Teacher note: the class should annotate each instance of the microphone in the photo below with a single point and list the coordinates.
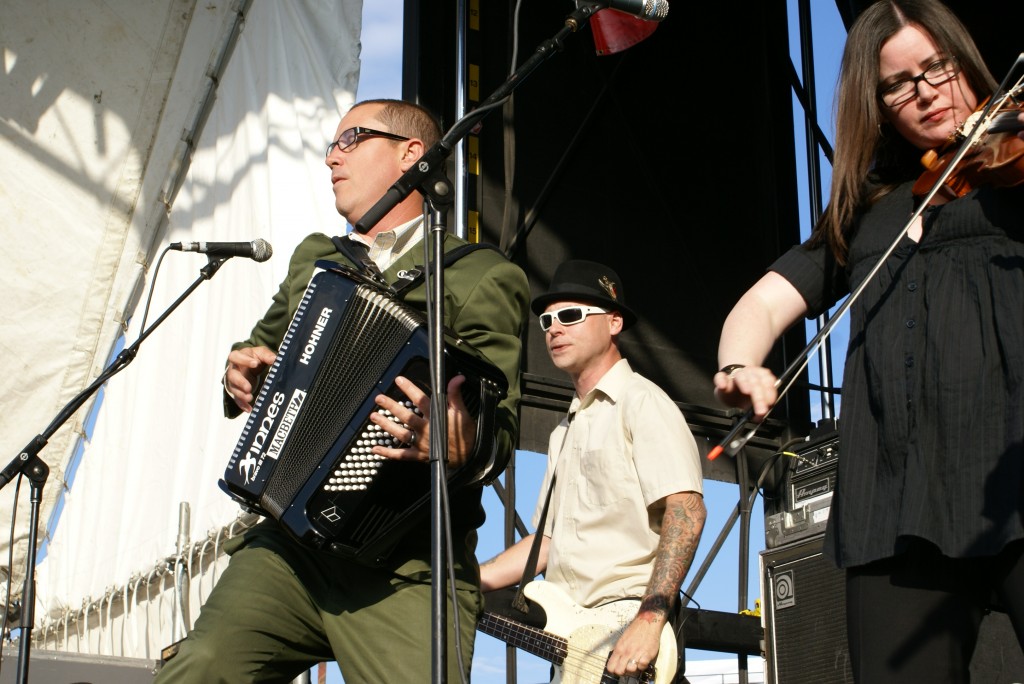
(257, 250)
(649, 10)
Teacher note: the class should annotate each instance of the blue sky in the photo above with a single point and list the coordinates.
(381, 77)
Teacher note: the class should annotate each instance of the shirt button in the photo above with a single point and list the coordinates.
(909, 362)
(912, 286)
(911, 323)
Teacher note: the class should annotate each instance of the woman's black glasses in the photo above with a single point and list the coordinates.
(938, 72)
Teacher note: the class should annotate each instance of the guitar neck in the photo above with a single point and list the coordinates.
(543, 644)
(524, 637)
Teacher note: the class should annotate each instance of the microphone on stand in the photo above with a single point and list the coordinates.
(649, 10)
(257, 250)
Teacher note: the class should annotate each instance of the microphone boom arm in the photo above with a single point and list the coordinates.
(427, 175)
(125, 357)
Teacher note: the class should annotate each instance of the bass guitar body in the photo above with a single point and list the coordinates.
(578, 640)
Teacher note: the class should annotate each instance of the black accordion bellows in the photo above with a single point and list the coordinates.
(304, 458)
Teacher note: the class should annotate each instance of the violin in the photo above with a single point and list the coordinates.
(995, 156)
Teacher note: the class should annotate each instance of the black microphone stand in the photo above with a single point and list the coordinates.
(35, 469)
(428, 177)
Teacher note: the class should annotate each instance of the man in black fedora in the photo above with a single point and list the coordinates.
(626, 510)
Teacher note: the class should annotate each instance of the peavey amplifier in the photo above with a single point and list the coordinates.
(808, 486)
(304, 454)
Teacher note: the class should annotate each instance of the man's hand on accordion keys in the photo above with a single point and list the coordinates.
(409, 423)
(242, 374)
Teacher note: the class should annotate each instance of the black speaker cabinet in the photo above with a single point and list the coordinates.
(805, 616)
(805, 624)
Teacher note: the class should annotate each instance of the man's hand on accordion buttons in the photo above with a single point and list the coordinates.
(245, 366)
(409, 423)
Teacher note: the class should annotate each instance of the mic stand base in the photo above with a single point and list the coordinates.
(36, 471)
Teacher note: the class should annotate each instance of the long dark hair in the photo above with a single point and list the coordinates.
(864, 141)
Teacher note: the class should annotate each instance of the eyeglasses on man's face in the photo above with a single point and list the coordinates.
(569, 315)
(938, 72)
(350, 137)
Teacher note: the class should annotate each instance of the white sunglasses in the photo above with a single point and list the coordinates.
(569, 315)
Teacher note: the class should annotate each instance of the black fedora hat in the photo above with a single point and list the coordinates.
(577, 280)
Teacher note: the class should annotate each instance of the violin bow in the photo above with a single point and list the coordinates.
(733, 440)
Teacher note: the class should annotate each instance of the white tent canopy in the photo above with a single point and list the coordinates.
(128, 125)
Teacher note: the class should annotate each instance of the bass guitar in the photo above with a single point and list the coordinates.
(578, 640)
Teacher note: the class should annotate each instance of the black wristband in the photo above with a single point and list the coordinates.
(731, 368)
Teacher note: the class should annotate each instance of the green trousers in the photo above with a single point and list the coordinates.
(279, 608)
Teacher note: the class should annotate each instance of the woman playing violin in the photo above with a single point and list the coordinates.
(928, 516)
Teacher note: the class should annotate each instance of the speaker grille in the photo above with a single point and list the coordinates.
(806, 617)
(805, 624)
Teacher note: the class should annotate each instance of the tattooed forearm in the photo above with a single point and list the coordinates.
(681, 528)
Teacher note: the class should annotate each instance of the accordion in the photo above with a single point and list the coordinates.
(304, 458)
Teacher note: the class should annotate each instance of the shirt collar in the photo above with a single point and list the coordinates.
(611, 385)
(388, 246)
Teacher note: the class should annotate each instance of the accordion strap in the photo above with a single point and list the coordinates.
(415, 275)
(358, 254)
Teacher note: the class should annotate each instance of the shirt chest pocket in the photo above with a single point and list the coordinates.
(608, 478)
